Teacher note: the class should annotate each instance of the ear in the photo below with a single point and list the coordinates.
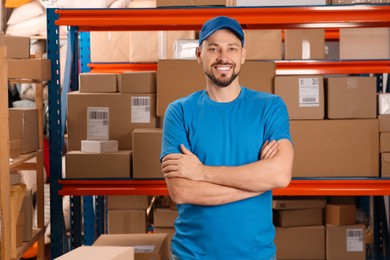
(243, 55)
(198, 52)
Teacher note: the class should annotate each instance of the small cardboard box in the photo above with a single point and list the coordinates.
(300, 242)
(385, 142)
(263, 44)
(364, 43)
(98, 82)
(179, 78)
(298, 217)
(146, 246)
(340, 214)
(103, 165)
(301, 203)
(17, 47)
(99, 146)
(351, 97)
(127, 202)
(164, 217)
(23, 125)
(385, 165)
(345, 242)
(304, 44)
(99, 252)
(128, 221)
(37, 69)
(140, 82)
(303, 95)
(335, 148)
(384, 123)
(146, 153)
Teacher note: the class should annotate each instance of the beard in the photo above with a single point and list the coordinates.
(222, 82)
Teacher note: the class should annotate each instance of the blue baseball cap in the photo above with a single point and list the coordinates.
(218, 23)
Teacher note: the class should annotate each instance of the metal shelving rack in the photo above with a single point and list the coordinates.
(84, 20)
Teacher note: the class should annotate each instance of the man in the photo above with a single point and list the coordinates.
(219, 166)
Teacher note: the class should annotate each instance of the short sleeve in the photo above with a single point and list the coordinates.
(277, 123)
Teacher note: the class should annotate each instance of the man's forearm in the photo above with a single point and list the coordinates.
(184, 191)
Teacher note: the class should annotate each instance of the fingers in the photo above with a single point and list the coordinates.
(269, 149)
(184, 150)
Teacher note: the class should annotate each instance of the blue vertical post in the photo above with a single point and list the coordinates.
(89, 220)
(75, 222)
(59, 243)
(85, 51)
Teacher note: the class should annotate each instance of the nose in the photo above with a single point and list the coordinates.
(222, 57)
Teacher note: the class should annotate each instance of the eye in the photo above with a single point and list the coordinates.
(233, 49)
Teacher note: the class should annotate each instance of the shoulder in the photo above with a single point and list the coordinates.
(189, 100)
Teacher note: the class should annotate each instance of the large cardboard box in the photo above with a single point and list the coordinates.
(146, 246)
(298, 217)
(127, 112)
(300, 242)
(103, 165)
(263, 44)
(146, 153)
(179, 78)
(384, 123)
(340, 214)
(164, 217)
(17, 47)
(37, 69)
(23, 125)
(364, 43)
(128, 221)
(127, 202)
(170, 231)
(98, 82)
(303, 95)
(385, 164)
(351, 97)
(385, 142)
(345, 242)
(304, 44)
(298, 203)
(99, 252)
(335, 148)
(139, 82)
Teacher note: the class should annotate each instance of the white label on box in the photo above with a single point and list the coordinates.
(309, 92)
(98, 123)
(140, 109)
(306, 50)
(144, 249)
(354, 240)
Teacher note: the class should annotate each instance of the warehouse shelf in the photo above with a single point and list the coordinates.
(309, 187)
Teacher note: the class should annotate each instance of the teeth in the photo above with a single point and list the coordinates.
(223, 68)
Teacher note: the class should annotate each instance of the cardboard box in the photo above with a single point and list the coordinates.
(303, 95)
(263, 44)
(301, 203)
(15, 148)
(23, 125)
(179, 78)
(96, 146)
(140, 82)
(98, 82)
(385, 164)
(364, 43)
(304, 44)
(99, 252)
(298, 217)
(351, 97)
(164, 217)
(170, 231)
(37, 69)
(127, 202)
(340, 214)
(17, 47)
(104, 165)
(345, 242)
(129, 221)
(166, 3)
(146, 154)
(146, 246)
(384, 123)
(300, 242)
(335, 148)
(384, 142)
(127, 112)
(27, 211)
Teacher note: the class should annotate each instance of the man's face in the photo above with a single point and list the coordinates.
(221, 55)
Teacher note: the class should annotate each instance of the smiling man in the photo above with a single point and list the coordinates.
(224, 149)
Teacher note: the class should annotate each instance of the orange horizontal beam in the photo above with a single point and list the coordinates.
(309, 187)
(192, 18)
(121, 67)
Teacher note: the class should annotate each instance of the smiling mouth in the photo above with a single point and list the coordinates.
(223, 68)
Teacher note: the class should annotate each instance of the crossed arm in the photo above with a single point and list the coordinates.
(190, 181)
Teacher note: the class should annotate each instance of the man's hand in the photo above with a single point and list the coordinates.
(185, 165)
(268, 150)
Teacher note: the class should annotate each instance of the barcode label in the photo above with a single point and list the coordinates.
(98, 123)
(140, 109)
(355, 240)
(98, 115)
(309, 92)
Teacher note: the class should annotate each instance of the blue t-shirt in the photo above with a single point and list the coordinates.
(229, 134)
